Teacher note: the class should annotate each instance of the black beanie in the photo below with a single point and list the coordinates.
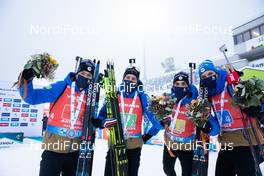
(86, 65)
(181, 76)
(132, 70)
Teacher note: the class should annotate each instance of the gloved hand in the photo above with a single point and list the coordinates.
(165, 121)
(240, 73)
(97, 123)
(207, 128)
(146, 137)
(252, 111)
(28, 74)
(109, 122)
(233, 77)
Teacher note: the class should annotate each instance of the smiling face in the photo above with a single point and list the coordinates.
(208, 73)
(131, 77)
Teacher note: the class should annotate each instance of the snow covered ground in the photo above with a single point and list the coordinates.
(24, 160)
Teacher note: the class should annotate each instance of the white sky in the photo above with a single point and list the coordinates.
(118, 29)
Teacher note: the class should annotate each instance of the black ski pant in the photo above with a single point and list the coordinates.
(237, 161)
(133, 156)
(54, 164)
(186, 160)
(259, 156)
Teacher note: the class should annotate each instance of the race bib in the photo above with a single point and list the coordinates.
(227, 119)
(130, 121)
(180, 126)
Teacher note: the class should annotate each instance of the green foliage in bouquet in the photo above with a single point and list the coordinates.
(43, 65)
(162, 106)
(248, 93)
(198, 112)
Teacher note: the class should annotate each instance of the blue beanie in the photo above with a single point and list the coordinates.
(205, 66)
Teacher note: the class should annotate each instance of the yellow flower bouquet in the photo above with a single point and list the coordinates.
(199, 111)
(161, 106)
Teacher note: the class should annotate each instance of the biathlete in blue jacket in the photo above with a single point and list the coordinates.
(64, 127)
(133, 105)
(235, 157)
(180, 132)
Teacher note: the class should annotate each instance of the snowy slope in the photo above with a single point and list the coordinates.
(24, 160)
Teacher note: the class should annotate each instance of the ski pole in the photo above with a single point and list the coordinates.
(78, 61)
(192, 67)
(233, 77)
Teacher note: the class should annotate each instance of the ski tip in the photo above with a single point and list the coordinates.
(105, 73)
(100, 77)
(108, 65)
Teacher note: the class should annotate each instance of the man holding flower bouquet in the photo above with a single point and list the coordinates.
(64, 128)
(235, 156)
(180, 132)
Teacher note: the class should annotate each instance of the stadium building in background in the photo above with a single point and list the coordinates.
(249, 42)
(248, 46)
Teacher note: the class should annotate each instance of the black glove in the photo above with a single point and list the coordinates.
(207, 128)
(252, 111)
(240, 73)
(146, 137)
(97, 123)
(28, 74)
